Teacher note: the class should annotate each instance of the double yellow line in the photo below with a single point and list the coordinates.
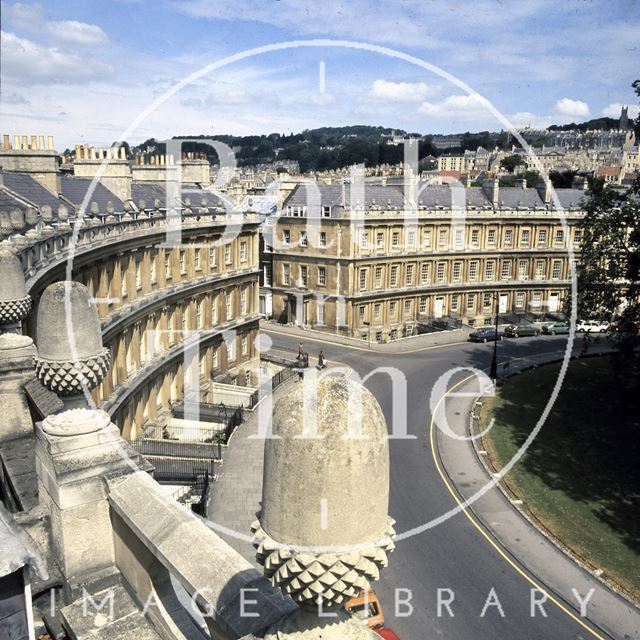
(481, 529)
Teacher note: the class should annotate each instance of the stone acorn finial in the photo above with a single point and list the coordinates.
(15, 302)
(70, 357)
(324, 531)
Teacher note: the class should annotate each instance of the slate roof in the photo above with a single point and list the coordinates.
(517, 197)
(30, 189)
(149, 192)
(74, 190)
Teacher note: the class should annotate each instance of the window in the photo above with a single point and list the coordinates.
(376, 311)
(247, 378)
(183, 263)
(212, 258)
(227, 254)
(364, 240)
(539, 269)
(167, 265)
(475, 236)
(523, 270)
(524, 238)
(138, 276)
(457, 271)
(423, 304)
(363, 279)
(440, 275)
(487, 298)
(231, 349)
(323, 239)
(243, 301)
(577, 236)
(286, 274)
(304, 275)
(455, 303)
(380, 240)
(320, 312)
(154, 271)
(245, 347)
(395, 239)
(378, 277)
(557, 268)
(471, 301)
(267, 275)
(520, 300)
(559, 236)
(426, 237)
(458, 237)
(393, 279)
(196, 259)
(286, 236)
(322, 276)
(407, 306)
(214, 310)
(123, 282)
(411, 239)
(491, 236)
(489, 270)
(326, 211)
(361, 310)
(473, 270)
(243, 252)
(199, 314)
(508, 237)
(303, 238)
(214, 360)
(536, 300)
(425, 273)
(392, 309)
(505, 274)
(442, 237)
(183, 314)
(409, 279)
(542, 236)
(228, 306)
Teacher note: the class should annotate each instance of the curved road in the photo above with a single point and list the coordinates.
(453, 555)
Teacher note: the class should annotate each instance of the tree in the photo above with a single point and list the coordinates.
(511, 162)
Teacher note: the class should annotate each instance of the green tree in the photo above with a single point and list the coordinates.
(511, 162)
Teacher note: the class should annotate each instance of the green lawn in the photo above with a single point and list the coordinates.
(581, 476)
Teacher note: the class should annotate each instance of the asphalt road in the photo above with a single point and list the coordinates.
(452, 555)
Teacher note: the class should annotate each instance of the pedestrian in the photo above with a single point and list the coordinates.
(300, 351)
(321, 360)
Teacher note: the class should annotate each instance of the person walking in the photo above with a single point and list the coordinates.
(322, 361)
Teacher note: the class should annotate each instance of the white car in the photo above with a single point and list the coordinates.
(592, 326)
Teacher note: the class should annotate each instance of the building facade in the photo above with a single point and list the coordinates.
(381, 270)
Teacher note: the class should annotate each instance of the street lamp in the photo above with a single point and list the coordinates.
(368, 325)
(493, 373)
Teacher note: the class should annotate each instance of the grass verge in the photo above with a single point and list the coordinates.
(580, 478)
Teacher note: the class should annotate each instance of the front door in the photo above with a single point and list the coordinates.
(502, 305)
(554, 302)
(438, 308)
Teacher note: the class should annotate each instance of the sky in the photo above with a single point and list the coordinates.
(90, 71)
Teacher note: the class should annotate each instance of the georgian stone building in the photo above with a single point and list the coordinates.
(380, 269)
(153, 291)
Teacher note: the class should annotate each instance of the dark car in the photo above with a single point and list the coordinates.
(486, 335)
(517, 330)
(555, 328)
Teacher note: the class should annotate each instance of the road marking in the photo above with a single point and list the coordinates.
(482, 530)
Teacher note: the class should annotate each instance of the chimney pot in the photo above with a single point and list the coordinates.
(41, 143)
(34, 142)
(5, 142)
(50, 143)
(25, 142)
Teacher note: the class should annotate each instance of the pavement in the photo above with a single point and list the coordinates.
(489, 546)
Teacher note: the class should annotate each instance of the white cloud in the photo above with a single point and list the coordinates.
(461, 107)
(574, 108)
(76, 32)
(30, 62)
(399, 91)
(323, 99)
(25, 16)
(613, 110)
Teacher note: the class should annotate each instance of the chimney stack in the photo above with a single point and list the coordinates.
(492, 190)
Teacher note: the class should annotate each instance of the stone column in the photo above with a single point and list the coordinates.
(15, 303)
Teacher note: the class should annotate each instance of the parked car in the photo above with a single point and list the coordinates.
(517, 330)
(592, 326)
(488, 334)
(387, 634)
(625, 327)
(366, 607)
(555, 328)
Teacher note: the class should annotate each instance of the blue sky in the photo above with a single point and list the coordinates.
(82, 70)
